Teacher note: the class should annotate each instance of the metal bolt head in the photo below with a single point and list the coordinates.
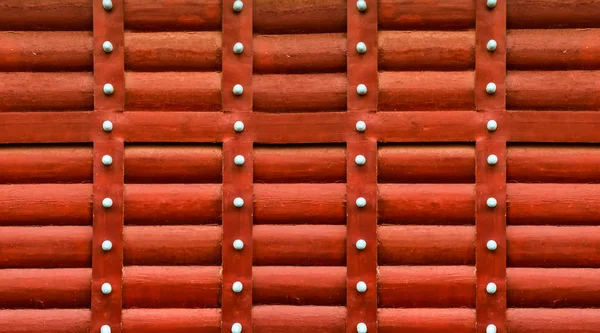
(237, 287)
(492, 202)
(239, 160)
(106, 288)
(361, 328)
(491, 45)
(361, 126)
(107, 47)
(107, 202)
(238, 6)
(361, 47)
(107, 160)
(361, 5)
(238, 48)
(491, 245)
(108, 89)
(360, 160)
(238, 89)
(492, 125)
(490, 328)
(491, 3)
(490, 88)
(491, 288)
(105, 329)
(238, 126)
(492, 159)
(107, 126)
(238, 202)
(361, 89)
(106, 245)
(107, 5)
(361, 202)
(361, 244)
(238, 244)
(361, 287)
(237, 327)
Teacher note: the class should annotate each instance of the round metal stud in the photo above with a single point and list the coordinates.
(491, 3)
(361, 126)
(491, 288)
(492, 202)
(490, 328)
(238, 202)
(107, 47)
(238, 244)
(492, 125)
(107, 160)
(361, 89)
(237, 287)
(490, 88)
(106, 245)
(361, 202)
(106, 288)
(361, 47)
(361, 244)
(238, 48)
(238, 6)
(107, 126)
(237, 327)
(107, 202)
(361, 287)
(361, 328)
(492, 159)
(361, 5)
(491, 45)
(239, 160)
(107, 5)
(491, 245)
(105, 329)
(108, 89)
(238, 89)
(360, 160)
(238, 126)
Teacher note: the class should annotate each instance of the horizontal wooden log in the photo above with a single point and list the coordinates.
(413, 286)
(553, 320)
(299, 204)
(173, 164)
(292, 285)
(45, 321)
(542, 14)
(426, 91)
(298, 16)
(23, 91)
(46, 15)
(171, 320)
(46, 204)
(45, 288)
(426, 15)
(301, 245)
(298, 319)
(558, 204)
(553, 126)
(426, 164)
(444, 126)
(299, 164)
(171, 287)
(447, 204)
(426, 320)
(173, 91)
(556, 90)
(300, 53)
(172, 15)
(45, 127)
(556, 49)
(426, 50)
(150, 204)
(299, 92)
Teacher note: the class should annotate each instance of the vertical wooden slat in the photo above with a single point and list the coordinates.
(361, 179)
(490, 66)
(237, 179)
(107, 266)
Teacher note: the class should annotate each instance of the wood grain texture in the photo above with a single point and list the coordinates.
(46, 15)
(426, 320)
(45, 127)
(299, 16)
(553, 320)
(45, 321)
(172, 15)
(171, 320)
(426, 15)
(298, 319)
(540, 14)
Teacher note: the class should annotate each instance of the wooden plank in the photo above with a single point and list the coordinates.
(298, 319)
(45, 321)
(426, 320)
(426, 15)
(542, 14)
(299, 16)
(171, 320)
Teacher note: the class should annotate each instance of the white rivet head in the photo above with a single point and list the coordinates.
(492, 159)
(492, 202)
(361, 47)
(239, 160)
(491, 288)
(361, 287)
(107, 160)
(105, 329)
(237, 327)
(238, 89)
(491, 3)
(107, 125)
(361, 244)
(238, 6)
(491, 245)
(360, 160)
(106, 245)
(361, 126)
(361, 202)
(108, 89)
(238, 48)
(361, 328)
(361, 89)
(361, 5)
(492, 125)
(491, 45)
(490, 88)
(107, 47)
(107, 202)
(238, 202)
(106, 288)
(107, 5)
(238, 126)
(237, 287)
(238, 244)
(490, 328)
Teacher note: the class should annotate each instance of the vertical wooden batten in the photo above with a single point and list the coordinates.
(107, 263)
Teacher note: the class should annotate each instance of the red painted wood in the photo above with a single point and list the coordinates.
(426, 15)
(298, 319)
(46, 15)
(289, 17)
(426, 320)
(173, 15)
(45, 321)
(542, 14)
(553, 320)
(171, 320)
